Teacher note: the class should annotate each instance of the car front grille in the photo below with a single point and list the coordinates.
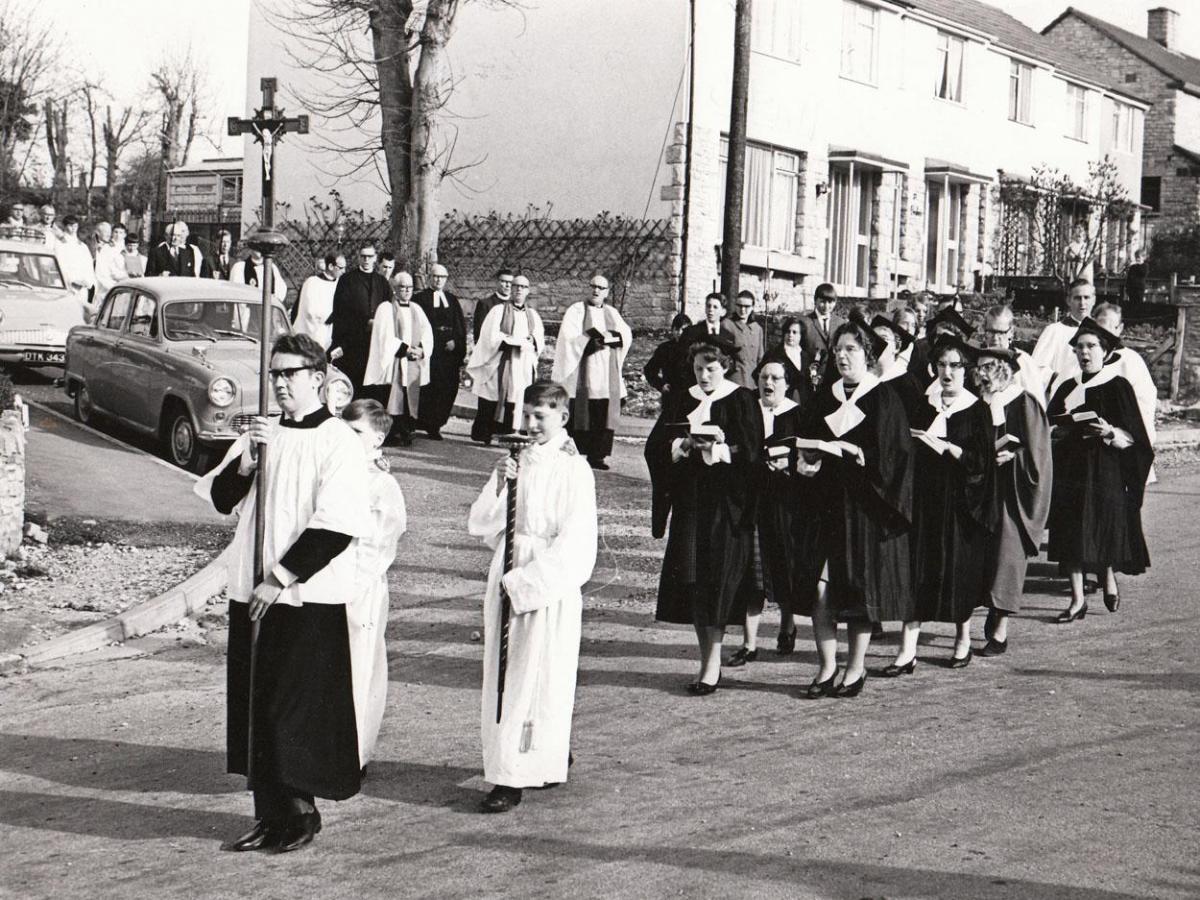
(50, 337)
(242, 421)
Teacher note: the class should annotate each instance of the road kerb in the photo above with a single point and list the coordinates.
(178, 602)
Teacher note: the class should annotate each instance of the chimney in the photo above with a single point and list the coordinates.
(1161, 24)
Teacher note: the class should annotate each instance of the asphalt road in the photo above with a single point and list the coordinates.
(1065, 769)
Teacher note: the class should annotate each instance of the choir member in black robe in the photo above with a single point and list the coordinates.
(445, 314)
(947, 320)
(291, 722)
(797, 366)
(1100, 470)
(702, 455)
(355, 300)
(863, 483)
(788, 537)
(891, 367)
(1022, 485)
(953, 514)
(669, 368)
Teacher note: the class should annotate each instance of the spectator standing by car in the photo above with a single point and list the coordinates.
(76, 261)
(15, 218)
(223, 261)
(110, 262)
(249, 271)
(178, 257)
(132, 257)
(54, 235)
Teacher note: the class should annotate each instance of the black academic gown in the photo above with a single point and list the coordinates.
(710, 547)
(448, 323)
(911, 392)
(1096, 510)
(918, 362)
(355, 299)
(668, 369)
(799, 384)
(482, 308)
(305, 731)
(789, 538)
(866, 510)
(954, 516)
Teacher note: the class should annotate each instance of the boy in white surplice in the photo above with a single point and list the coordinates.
(554, 552)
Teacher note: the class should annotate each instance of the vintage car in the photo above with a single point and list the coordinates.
(176, 358)
(37, 308)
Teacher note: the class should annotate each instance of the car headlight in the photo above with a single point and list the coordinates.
(222, 392)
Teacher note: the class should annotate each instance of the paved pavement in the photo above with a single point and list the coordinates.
(1065, 769)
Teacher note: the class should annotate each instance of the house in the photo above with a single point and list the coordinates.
(1153, 66)
(880, 132)
(207, 195)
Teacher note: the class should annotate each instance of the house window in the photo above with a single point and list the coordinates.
(944, 203)
(1152, 192)
(769, 199)
(1020, 82)
(1077, 112)
(776, 28)
(860, 40)
(851, 211)
(1121, 125)
(231, 190)
(948, 72)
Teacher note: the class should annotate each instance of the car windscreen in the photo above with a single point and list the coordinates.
(33, 270)
(217, 320)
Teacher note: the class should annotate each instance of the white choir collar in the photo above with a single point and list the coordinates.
(937, 428)
(780, 408)
(554, 445)
(1107, 373)
(702, 413)
(868, 383)
(1001, 400)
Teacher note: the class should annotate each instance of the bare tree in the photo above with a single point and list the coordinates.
(118, 134)
(58, 144)
(28, 53)
(179, 85)
(384, 72)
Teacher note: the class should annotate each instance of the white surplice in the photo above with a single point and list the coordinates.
(484, 364)
(573, 339)
(367, 612)
(395, 325)
(314, 308)
(1053, 354)
(554, 553)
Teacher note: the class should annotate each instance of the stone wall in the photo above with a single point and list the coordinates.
(1189, 377)
(12, 481)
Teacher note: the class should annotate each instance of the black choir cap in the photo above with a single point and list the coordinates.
(952, 317)
(944, 341)
(1108, 340)
(903, 338)
(720, 342)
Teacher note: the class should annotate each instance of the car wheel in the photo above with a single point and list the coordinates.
(84, 411)
(182, 444)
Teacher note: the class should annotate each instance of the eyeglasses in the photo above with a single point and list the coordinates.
(599, 287)
(288, 374)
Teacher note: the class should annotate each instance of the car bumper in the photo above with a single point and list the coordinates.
(33, 356)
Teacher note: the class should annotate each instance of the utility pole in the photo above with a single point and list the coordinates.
(735, 170)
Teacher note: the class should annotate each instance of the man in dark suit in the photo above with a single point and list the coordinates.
(817, 329)
(449, 350)
(355, 299)
(223, 260)
(177, 257)
(504, 283)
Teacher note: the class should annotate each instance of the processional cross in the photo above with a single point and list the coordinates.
(268, 126)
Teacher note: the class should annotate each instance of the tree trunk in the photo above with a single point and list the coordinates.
(390, 43)
(56, 144)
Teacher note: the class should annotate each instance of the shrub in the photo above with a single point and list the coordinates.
(7, 393)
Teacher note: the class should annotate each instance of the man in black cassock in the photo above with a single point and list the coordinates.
(449, 350)
(175, 256)
(498, 297)
(355, 299)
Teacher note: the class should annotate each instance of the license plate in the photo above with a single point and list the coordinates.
(44, 356)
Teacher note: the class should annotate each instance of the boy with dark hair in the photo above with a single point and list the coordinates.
(526, 712)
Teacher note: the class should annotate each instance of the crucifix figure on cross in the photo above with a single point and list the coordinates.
(267, 126)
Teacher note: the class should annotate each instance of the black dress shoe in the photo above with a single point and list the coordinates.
(895, 671)
(851, 690)
(1112, 602)
(960, 662)
(702, 688)
(818, 689)
(742, 657)
(501, 799)
(434, 434)
(1066, 617)
(261, 837)
(298, 832)
(598, 464)
(994, 648)
(785, 644)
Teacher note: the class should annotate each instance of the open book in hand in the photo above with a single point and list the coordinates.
(1074, 419)
(936, 444)
(829, 448)
(704, 432)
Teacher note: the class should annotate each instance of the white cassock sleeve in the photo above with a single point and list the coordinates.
(389, 521)
(568, 352)
(1137, 373)
(385, 343)
(563, 567)
(485, 355)
(488, 513)
(203, 487)
(1046, 352)
(343, 492)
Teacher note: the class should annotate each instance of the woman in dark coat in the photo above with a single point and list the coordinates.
(669, 369)
(953, 513)
(1100, 470)
(865, 490)
(702, 455)
(790, 354)
(1022, 486)
(893, 369)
